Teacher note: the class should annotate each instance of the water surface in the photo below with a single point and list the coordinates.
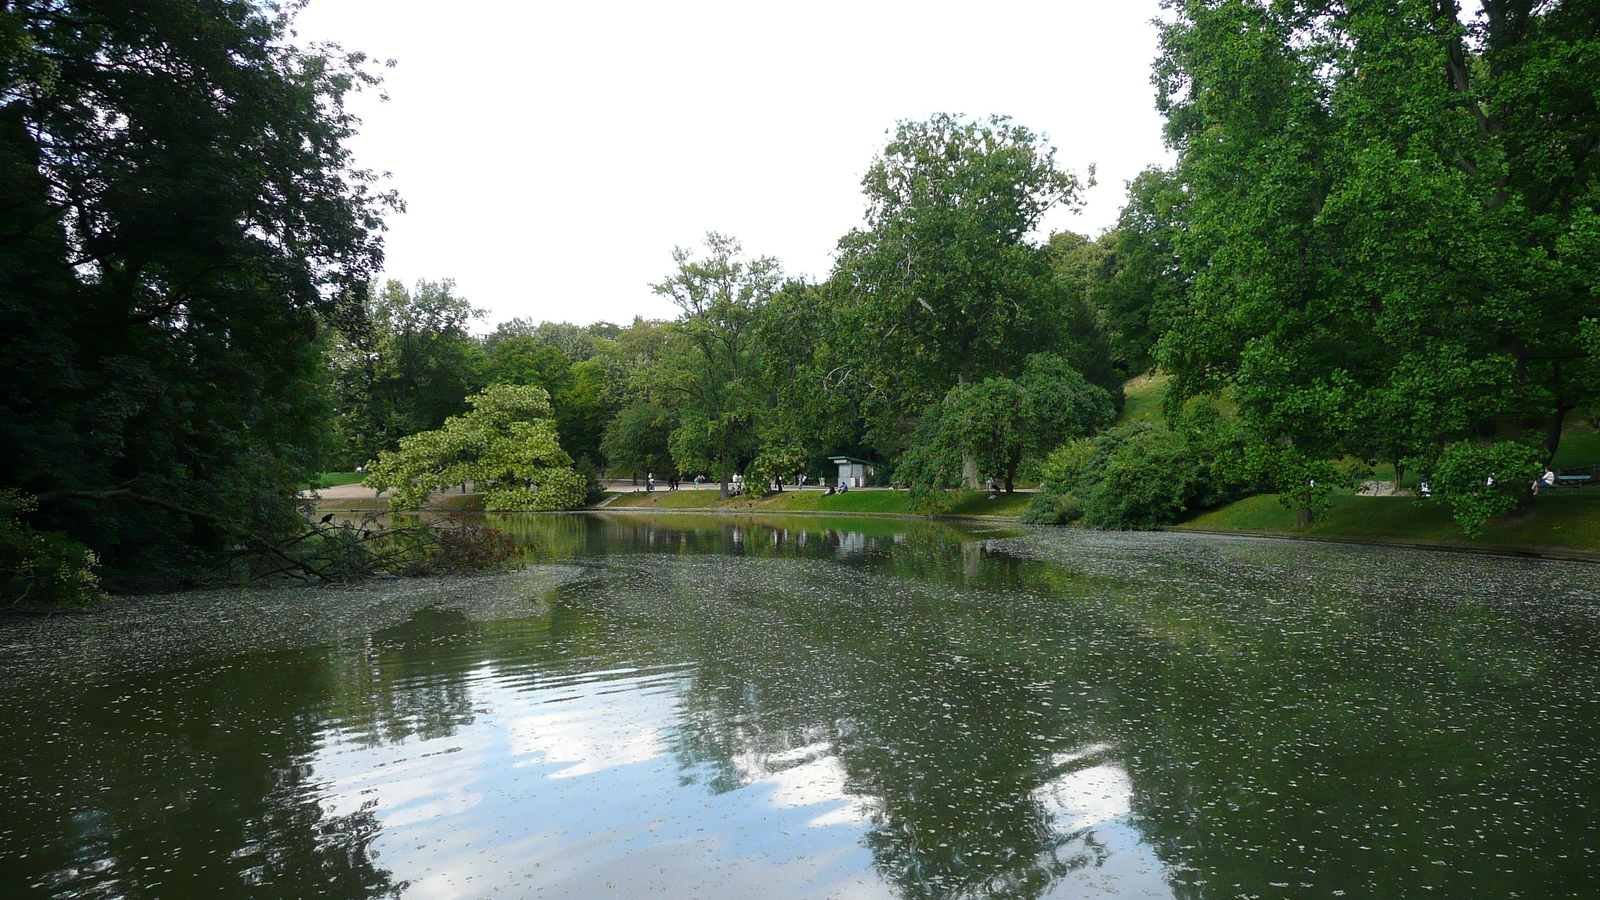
(695, 706)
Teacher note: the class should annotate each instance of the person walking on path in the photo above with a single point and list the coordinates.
(649, 482)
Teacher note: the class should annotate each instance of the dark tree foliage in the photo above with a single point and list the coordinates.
(178, 215)
(1139, 287)
(402, 366)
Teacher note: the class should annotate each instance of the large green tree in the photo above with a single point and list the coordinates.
(943, 286)
(178, 216)
(575, 384)
(999, 423)
(1391, 219)
(709, 374)
(635, 436)
(1138, 285)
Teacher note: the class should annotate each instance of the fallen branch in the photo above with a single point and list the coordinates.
(248, 537)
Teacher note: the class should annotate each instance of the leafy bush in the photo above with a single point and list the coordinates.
(1143, 475)
(42, 568)
(930, 466)
(1001, 425)
(780, 461)
(1484, 481)
(1053, 509)
(594, 490)
(1302, 483)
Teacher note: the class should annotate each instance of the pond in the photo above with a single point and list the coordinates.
(793, 707)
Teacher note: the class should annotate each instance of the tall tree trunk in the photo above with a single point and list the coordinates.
(1553, 424)
(969, 463)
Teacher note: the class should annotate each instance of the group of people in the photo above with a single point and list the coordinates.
(672, 482)
(735, 484)
(1547, 480)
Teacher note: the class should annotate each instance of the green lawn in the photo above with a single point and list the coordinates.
(1143, 394)
(334, 479)
(1580, 444)
(978, 503)
(664, 499)
(970, 503)
(885, 502)
(1567, 518)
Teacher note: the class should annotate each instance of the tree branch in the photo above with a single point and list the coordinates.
(223, 524)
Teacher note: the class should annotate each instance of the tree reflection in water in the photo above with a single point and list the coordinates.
(182, 784)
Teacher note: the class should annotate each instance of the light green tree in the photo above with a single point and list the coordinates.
(506, 445)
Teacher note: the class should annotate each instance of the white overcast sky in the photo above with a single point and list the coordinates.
(551, 155)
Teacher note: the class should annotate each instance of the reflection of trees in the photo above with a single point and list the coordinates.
(405, 681)
(916, 546)
(224, 804)
(940, 731)
(1268, 741)
(1346, 738)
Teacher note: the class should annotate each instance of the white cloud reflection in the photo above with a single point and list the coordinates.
(579, 790)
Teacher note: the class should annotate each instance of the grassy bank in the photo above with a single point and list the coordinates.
(1567, 519)
(968, 503)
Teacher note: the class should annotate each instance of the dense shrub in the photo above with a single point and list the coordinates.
(1143, 475)
(594, 490)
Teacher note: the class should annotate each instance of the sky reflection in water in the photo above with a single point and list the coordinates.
(687, 707)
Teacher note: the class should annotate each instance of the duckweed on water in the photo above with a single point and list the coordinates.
(710, 707)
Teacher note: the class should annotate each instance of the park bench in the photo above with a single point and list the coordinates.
(1573, 481)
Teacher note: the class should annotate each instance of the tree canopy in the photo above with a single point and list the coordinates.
(1389, 220)
(943, 285)
(709, 373)
(999, 423)
(403, 364)
(180, 216)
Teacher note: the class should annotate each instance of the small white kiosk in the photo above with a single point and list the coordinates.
(853, 472)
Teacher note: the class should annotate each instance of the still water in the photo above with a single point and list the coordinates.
(699, 707)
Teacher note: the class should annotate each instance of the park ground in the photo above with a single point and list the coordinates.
(340, 493)
(1563, 522)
